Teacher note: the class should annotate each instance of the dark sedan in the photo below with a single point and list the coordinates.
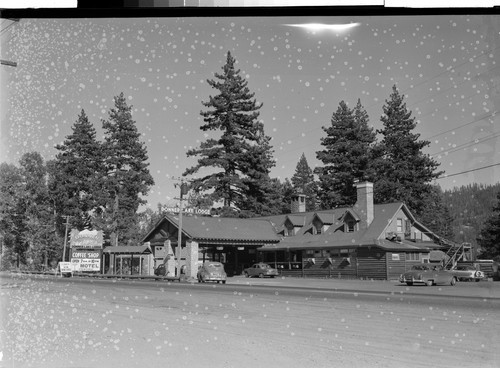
(212, 271)
(260, 270)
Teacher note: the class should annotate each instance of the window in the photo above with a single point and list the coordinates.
(350, 226)
(399, 225)
(413, 256)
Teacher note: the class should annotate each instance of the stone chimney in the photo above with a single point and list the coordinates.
(298, 203)
(364, 203)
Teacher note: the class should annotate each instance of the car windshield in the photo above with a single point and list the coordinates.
(214, 265)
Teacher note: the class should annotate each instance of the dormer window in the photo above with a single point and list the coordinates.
(350, 222)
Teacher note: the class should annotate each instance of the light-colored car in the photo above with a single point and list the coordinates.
(429, 275)
(260, 270)
(467, 273)
(212, 271)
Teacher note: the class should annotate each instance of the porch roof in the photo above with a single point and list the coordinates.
(128, 249)
(344, 240)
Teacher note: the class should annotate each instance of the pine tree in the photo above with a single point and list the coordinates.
(128, 176)
(489, 238)
(10, 224)
(35, 210)
(404, 172)
(242, 155)
(346, 156)
(303, 181)
(77, 177)
(436, 215)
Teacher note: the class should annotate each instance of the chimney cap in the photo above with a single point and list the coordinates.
(363, 183)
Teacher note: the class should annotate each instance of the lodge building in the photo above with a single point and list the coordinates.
(363, 241)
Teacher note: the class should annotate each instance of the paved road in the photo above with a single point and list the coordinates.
(60, 323)
(483, 289)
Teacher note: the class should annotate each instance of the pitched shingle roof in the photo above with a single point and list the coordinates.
(373, 235)
(217, 228)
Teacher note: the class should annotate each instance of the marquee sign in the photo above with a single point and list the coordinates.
(86, 250)
(91, 239)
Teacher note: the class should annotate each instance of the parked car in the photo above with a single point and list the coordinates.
(212, 271)
(429, 275)
(260, 270)
(467, 273)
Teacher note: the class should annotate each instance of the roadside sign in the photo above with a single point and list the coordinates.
(65, 267)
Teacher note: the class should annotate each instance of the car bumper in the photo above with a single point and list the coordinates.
(412, 280)
(214, 278)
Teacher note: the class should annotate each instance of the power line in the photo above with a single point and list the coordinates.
(467, 171)
(448, 70)
(467, 144)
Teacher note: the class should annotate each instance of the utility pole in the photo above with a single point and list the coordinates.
(65, 238)
(184, 190)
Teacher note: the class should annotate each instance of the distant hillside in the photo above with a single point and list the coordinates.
(470, 206)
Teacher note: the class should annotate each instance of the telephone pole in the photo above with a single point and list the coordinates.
(184, 190)
(65, 238)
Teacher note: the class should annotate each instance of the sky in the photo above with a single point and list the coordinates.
(299, 67)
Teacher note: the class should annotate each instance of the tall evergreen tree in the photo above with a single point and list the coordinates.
(10, 223)
(36, 212)
(77, 177)
(404, 172)
(436, 215)
(128, 176)
(303, 181)
(242, 155)
(489, 238)
(346, 156)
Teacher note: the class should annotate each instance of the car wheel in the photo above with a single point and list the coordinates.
(199, 280)
(218, 282)
(477, 280)
(453, 281)
(261, 275)
(272, 276)
(224, 282)
(246, 274)
(409, 283)
(429, 283)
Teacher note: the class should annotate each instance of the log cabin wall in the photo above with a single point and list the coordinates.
(372, 263)
(396, 264)
(327, 264)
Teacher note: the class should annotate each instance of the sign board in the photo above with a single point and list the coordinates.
(86, 250)
(395, 257)
(65, 267)
(188, 210)
(86, 265)
(91, 239)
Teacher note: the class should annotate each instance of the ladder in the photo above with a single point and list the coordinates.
(456, 253)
